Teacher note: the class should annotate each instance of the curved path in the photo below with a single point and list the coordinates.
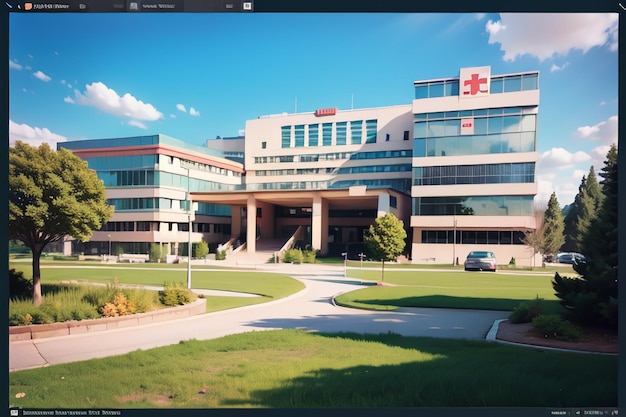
(311, 309)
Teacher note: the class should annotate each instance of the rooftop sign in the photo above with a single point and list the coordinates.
(474, 82)
(326, 112)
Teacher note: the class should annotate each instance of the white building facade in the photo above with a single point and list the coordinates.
(474, 156)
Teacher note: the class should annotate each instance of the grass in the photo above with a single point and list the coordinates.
(466, 290)
(295, 369)
(270, 286)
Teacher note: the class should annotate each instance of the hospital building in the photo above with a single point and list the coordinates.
(456, 165)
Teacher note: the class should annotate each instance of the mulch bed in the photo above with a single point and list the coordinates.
(596, 340)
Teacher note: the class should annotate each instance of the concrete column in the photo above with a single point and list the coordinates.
(251, 225)
(319, 225)
(235, 221)
(383, 205)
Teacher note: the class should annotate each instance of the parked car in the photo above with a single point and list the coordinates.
(481, 261)
(570, 258)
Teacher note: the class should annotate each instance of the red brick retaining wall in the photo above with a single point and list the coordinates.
(39, 331)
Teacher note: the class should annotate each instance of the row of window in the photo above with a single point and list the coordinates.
(155, 227)
(475, 144)
(334, 156)
(198, 166)
(473, 237)
(497, 85)
(400, 184)
(375, 168)
(473, 206)
(523, 172)
(480, 126)
(150, 177)
(301, 171)
(497, 111)
(332, 134)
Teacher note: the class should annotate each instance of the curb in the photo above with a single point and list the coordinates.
(493, 333)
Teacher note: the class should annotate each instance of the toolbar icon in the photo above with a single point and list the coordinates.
(247, 5)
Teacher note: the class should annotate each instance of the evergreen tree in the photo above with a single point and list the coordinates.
(570, 220)
(592, 298)
(553, 227)
(580, 213)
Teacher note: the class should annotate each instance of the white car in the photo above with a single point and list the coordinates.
(481, 261)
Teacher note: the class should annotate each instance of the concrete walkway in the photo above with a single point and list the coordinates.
(311, 309)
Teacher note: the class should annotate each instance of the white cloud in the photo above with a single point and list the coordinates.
(173, 116)
(578, 174)
(555, 67)
(43, 77)
(34, 136)
(181, 107)
(193, 112)
(545, 35)
(604, 132)
(14, 65)
(137, 124)
(68, 99)
(100, 96)
(561, 158)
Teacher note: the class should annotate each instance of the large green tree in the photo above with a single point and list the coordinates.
(582, 211)
(385, 239)
(553, 227)
(592, 298)
(52, 194)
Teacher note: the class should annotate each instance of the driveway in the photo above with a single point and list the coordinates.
(311, 309)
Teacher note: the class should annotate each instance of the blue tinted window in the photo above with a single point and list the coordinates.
(341, 133)
(436, 90)
(513, 83)
(313, 135)
(454, 90)
(286, 136)
(327, 134)
(299, 134)
(371, 126)
(421, 91)
(420, 130)
(530, 82)
(496, 85)
(356, 132)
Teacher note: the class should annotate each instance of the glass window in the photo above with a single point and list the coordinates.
(480, 126)
(313, 135)
(356, 132)
(341, 129)
(299, 134)
(327, 134)
(453, 127)
(513, 83)
(436, 90)
(511, 123)
(454, 88)
(528, 122)
(420, 116)
(419, 147)
(494, 125)
(437, 115)
(436, 128)
(421, 91)
(286, 136)
(372, 127)
(530, 82)
(496, 85)
(512, 110)
(480, 112)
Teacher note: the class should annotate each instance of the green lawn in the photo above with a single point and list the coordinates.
(270, 286)
(468, 290)
(295, 369)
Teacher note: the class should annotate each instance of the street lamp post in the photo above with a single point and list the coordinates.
(362, 255)
(345, 263)
(454, 245)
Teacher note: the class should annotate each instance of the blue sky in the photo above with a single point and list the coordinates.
(198, 76)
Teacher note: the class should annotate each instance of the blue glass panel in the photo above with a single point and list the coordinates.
(530, 82)
(496, 85)
(436, 90)
(455, 88)
(513, 83)
(419, 147)
(419, 130)
(421, 91)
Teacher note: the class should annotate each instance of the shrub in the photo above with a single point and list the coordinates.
(308, 256)
(19, 287)
(155, 252)
(553, 326)
(175, 295)
(526, 311)
(293, 256)
(120, 306)
(512, 261)
(220, 255)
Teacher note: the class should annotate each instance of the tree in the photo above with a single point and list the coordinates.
(200, 249)
(155, 252)
(385, 239)
(553, 227)
(592, 298)
(582, 211)
(52, 194)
